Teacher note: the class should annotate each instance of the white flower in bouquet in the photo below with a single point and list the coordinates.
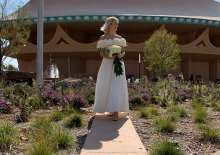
(114, 49)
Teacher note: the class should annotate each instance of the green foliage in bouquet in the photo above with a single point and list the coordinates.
(104, 52)
(117, 61)
(118, 66)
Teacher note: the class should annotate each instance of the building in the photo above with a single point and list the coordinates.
(72, 28)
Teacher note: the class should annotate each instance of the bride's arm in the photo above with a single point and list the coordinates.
(104, 53)
(122, 54)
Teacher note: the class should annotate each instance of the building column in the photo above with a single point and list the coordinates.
(189, 67)
(213, 70)
(40, 42)
(218, 69)
(69, 68)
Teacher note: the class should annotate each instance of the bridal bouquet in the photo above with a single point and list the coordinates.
(109, 52)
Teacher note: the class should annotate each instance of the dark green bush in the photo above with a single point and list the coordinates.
(200, 115)
(148, 112)
(210, 134)
(8, 136)
(135, 102)
(164, 124)
(73, 121)
(63, 138)
(57, 116)
(165, 147)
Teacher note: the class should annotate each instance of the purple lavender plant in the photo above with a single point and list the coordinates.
(50, 95)
(184, 94)
(5, 107)
(75, 101)
(146, 97)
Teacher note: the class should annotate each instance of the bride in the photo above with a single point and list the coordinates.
(111, 92)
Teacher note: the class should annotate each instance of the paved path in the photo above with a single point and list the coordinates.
(108, 137)
(217, 153)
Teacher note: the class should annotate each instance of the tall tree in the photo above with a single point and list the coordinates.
(161, 53)
(14, 32)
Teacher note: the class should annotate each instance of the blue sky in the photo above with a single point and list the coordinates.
(11, 7)
(14, 4)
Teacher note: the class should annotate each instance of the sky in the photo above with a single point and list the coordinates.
(12, 6)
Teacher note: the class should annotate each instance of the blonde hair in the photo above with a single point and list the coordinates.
(108, 20)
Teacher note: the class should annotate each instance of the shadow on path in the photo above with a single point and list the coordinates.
(103, 129)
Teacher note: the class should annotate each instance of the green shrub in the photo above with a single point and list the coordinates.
(216, 106)
(73, 121)
(197, 102)
(70, 111)
(91, 98)
(200, 115)
(24, 113)
(165, 147)
(182, 112)
(42, 146)
(8, 136)
(63, 139)
(43, 131)
(148, 112)
(179, 111)
(56, 116)
(20, 92)
(35, 101)
(210, 134)
(43, 125)
(173, 117)
(135, 102)
(164, 124)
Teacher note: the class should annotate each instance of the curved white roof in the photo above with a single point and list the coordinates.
(208, 9)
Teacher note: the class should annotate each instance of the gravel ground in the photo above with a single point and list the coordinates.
(186, 134)
(24, 132)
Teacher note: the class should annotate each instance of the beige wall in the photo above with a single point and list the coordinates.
(92, 66)
(199, 55)
(218, 70)
(201, 68)
(207, 67)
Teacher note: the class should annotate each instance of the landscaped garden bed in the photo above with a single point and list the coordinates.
(54, 120)
(173, 116)
(178, 117)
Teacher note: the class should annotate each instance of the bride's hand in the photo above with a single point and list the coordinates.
(114, 56)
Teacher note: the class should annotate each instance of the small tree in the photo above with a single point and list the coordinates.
(14, 32)
(9, 67)
(161, 53)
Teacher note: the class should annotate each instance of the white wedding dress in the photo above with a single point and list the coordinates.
(111, 92)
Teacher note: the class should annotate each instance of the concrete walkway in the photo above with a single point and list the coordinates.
(108, 137)
(217, 153)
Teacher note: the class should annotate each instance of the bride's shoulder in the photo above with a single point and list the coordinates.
(102, 37)
(106, 40)
(119, 37)
(105, 37)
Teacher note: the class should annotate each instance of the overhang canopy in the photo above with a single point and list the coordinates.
(207, 9)
(202, 12)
